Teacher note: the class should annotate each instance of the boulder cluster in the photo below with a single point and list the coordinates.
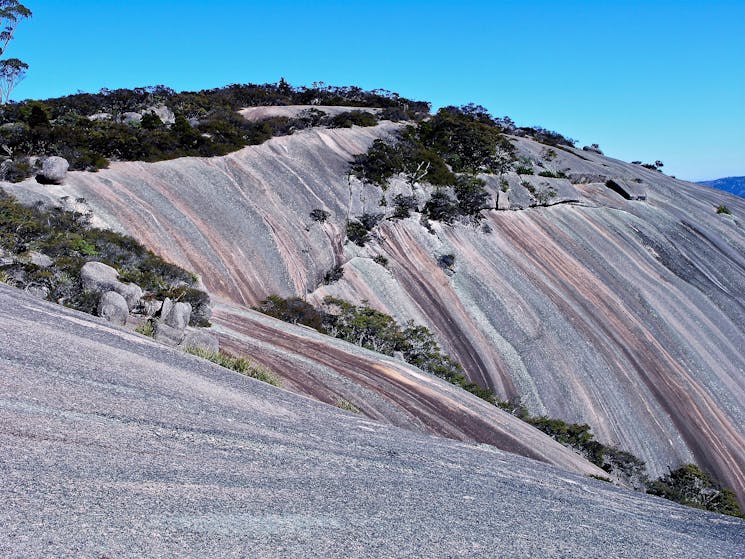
(120, 303)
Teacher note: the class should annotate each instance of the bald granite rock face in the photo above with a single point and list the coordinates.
(112, 445)
(624, 314)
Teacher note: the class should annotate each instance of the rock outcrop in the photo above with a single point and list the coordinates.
(53, 170)
(99, 278)
(626, 315)
(113, 307)
(161, 454)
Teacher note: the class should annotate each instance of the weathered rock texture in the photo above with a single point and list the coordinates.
(627, 315)
(99, 277)
(53, 170)
(162, 454)
(113, 307)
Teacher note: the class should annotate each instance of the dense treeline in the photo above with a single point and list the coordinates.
(156, 123)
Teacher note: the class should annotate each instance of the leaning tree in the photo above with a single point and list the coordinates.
(12, 70)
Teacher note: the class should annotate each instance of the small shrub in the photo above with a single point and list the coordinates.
(549, 154)
(346, 405)
(691, 486)
(357, 233)
(319, 215)
(446, 261)
(237, 364)
(293, 310)
(441, 207)
(146, 329)
(333, 275)
(471, 195)
(403, 206)
(381, 260)
(722, 209)
(353, 118)
(553, 174)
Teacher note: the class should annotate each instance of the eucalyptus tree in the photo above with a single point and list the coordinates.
(12, 70)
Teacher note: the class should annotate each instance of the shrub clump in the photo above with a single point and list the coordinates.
(69, 241)
(90, 129)
(238, 364)
(691, 486)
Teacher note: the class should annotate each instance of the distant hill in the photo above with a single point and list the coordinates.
(735, 185)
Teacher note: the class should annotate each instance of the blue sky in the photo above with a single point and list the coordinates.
(646, 80)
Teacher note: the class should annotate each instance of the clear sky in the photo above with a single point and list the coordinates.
(646, 80)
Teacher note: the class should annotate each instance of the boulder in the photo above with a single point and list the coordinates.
(39, 259)
(176, 315)
(131, 118)
(503, 201)
(131, 292)
(53, 170)
(38, 291)
(164, 113)
(98, 277)
(113, 307)
(199, 338)
(100, 116)
(167, 334)
(150, 307)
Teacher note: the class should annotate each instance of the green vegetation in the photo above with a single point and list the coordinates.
(333, 275)
(70, 242)
(377, 331)
(319, 215)
(553, 174)
(12, 70)
(146, 329)
(346, 405)
(456, 140)
(691, 486)
(89, 130)
(238, 364)
(381, 260)
(722, 209)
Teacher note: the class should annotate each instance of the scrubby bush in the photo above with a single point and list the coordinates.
(293, 310)
(380, 260)
(207, 122)
(70, 242)
(333, 275)
(441, 207)
(722, 209)
(403, 206)
(471, 195)
(446, 261)
(357, 233)
(691, 486)
(237, 364)
(353, 118)
(319, 215)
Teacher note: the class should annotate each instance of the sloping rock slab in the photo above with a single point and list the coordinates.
(163, 454)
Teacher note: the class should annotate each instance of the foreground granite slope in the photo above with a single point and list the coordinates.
(625, 314)
(114, 446)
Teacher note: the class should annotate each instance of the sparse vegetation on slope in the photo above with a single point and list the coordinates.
(377, 331)
(237, 364)
(68, 242)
